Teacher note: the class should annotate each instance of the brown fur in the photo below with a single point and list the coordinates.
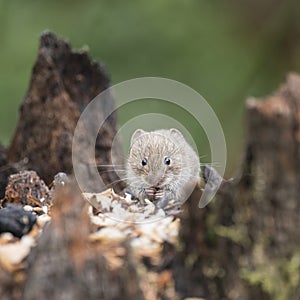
(156, 180)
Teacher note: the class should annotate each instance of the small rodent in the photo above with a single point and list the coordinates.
(162, 166)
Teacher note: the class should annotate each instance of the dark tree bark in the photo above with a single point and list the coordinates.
(11, 286)
(246, 245)
(5, 170)
(63, 82)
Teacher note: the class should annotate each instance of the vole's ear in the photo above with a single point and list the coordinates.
(176, 133)
(136, 135)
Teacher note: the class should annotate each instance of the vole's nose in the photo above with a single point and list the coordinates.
(155, 179)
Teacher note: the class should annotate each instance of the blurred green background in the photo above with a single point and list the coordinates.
(225, 50)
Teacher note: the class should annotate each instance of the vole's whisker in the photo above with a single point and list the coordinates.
(213, 164)
(122, 179)
(115, 181)
(110, 171)
(98, 165)
(113, 169)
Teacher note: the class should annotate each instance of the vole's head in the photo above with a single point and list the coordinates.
(155, 159)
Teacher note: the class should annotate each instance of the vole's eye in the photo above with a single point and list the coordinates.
(144, 162)
(167, 161)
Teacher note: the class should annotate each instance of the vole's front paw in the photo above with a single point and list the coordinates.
(159, 195)
(150, 191)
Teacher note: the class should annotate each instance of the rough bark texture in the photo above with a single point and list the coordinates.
(26, 188)
(188, 270)
(65, 265)
(63, 82)
(246, 245)
(11, 286)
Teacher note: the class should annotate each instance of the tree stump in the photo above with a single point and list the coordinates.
(65, 265)
(246, 245)
(63, 83)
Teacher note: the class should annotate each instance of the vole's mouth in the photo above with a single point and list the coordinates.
(153, 189)
(154, 192)
(156, 188)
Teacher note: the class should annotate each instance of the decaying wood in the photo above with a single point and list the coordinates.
(11, 286)
(246, 245)
(26, 188)
(65, 265)
(192, 236)
(63, 82)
